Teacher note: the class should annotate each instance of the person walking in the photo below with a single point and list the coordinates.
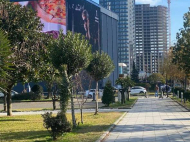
(163, 90)
(156, 91)
(167, 90)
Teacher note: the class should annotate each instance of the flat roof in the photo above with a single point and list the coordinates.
(109, 13)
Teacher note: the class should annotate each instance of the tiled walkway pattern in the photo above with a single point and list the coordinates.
(153, 120)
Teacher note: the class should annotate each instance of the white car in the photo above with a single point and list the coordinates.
(138, 90)
(12, 93)
(90, 93)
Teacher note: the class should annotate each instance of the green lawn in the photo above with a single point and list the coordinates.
(128, 104)
(29, 128)
(186, 104)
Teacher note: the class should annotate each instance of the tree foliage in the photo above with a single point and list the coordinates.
(70, 54)
(134, 74)
(108, 94)
(71, 50)
(5, 59)
(156, 78)
(170, 70)
(181, 50)
(100, 66)
(28, 44)
(125, 82)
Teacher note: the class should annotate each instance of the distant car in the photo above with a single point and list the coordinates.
(90, 93)
(12, 93)
(138, 90)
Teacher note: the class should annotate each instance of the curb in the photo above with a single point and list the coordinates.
(180, 104)
(110, 129)
(134, 103)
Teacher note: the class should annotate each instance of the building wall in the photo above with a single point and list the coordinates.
(109, 43)
(151, 37)
(126, 29)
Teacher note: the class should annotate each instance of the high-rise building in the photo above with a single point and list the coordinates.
(126, 29)
(151, 32)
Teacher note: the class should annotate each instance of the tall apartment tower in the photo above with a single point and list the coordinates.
(125, 9)
(151, 32)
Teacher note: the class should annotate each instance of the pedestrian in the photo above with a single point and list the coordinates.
(162, 93)
(163, 90)
(167, 90)
(156, 91)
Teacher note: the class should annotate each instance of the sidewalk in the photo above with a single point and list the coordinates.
(153, 120)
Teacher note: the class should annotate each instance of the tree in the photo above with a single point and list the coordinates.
(125, 84)
(5, 63)
(23, 30)
(108, 94)
(170, 70)
(70, 54)
(156, 78)
(135, 74)
(5, 53)
(181, 50)
(99, 68)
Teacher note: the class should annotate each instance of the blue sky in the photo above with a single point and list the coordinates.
(178, 9)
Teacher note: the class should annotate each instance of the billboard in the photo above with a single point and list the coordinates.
(84, 18)
(52, 13)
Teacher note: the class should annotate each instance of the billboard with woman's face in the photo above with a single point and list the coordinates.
(83, 17)
(52, 13)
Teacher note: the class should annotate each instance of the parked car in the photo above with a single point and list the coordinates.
(12, 93)
(90, 93)
(138, 90)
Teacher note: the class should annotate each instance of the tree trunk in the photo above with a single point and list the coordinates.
(81, 114)
(185, 84)
(5, 102)
(73, 111)
(49, 89)
(9, 100)
(128, 94)
(96, 110)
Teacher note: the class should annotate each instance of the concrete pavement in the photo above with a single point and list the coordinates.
(153, 120)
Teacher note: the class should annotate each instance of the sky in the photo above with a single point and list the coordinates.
(178, 9)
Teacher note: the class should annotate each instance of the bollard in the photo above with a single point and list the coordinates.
(119, 97)
(181, 96)
(177, 94)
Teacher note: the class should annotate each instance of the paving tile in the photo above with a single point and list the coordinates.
(153, 119)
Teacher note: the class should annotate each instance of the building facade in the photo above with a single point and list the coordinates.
(109, 40)
(126, 29)
(97, 24)
(151, 32)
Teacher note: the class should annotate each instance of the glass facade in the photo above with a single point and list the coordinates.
(126, 29)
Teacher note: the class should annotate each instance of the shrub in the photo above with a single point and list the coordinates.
(180, 90)
(57, 125)
(187, 95)
(145, 85)
(38, 91)
(176, 89)
(23, 96)
(108, 94)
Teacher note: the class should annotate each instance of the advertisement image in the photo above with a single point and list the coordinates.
(52, 13)
(83, 17)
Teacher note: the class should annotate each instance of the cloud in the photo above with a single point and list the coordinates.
(151, 2)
